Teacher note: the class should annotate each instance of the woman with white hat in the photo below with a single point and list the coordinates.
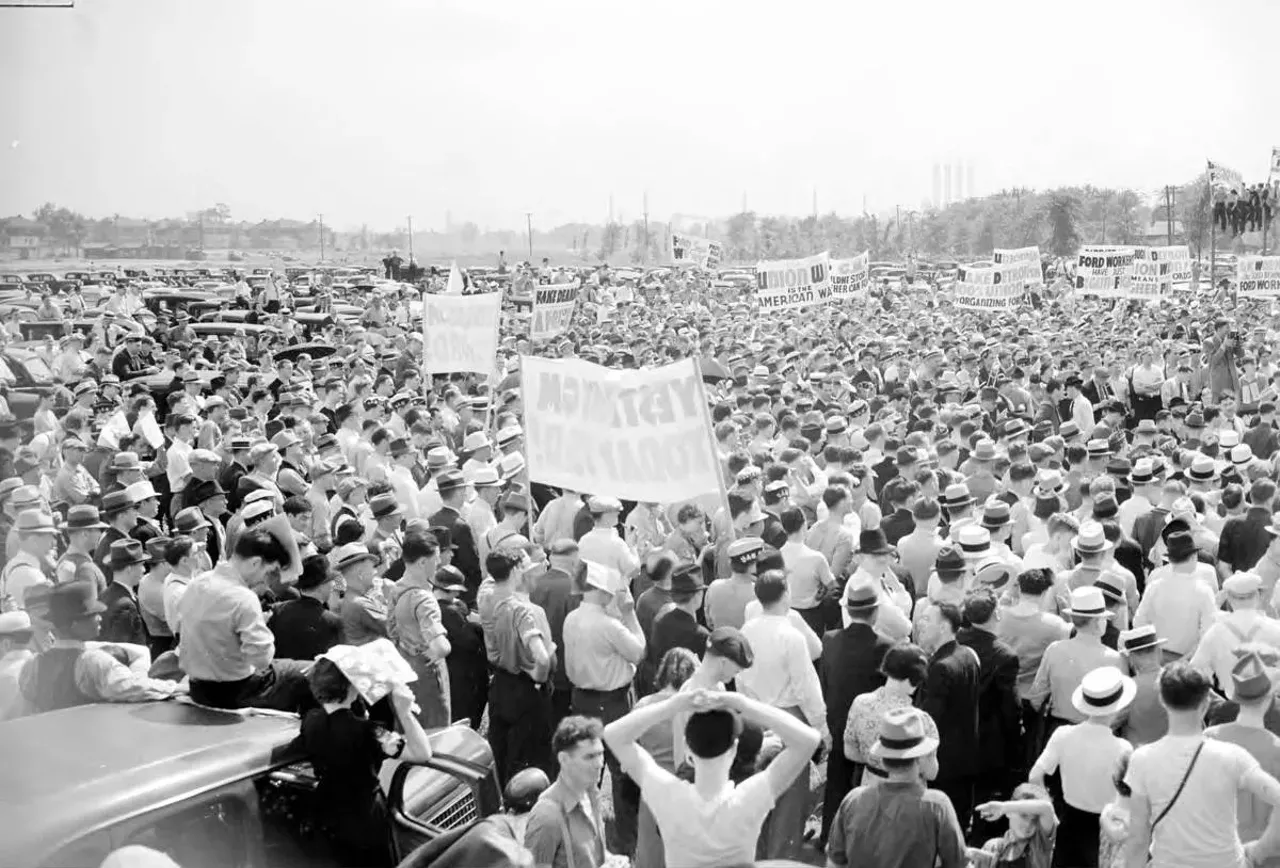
(1086, 753)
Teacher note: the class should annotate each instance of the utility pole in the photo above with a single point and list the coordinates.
(321, 236)
(815, 202)
(528, 222)
(411, 239)
(645, 258)
(611, 208)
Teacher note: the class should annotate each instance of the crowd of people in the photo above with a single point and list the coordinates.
(1004, 585)
(1244, 208)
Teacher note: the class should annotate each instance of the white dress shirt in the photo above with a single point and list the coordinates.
(1181, 607)
(782, 675)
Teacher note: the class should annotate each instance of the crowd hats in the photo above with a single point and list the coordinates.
(450, 480)
(1249, 679)
(1103, 691)
(903, 736)
(600, 505)
(1242, 585)
(15, 625)
(1110, 587)
(1142, 638)
(449, 578)
(956, 496)
(198, 492)
(996, 514)
(1091, 539)
(350, 555)
(602, 578)
(861, 597)
(1088, 602)
(993, 573)
(84, 517)
(1180, 545)
(974, 541)
(384, 506)
(123, 461)
(729, 644)
(745, 549)
(874, 542)
(950, 561)
(687, 579)
(189, 520)
(126, 553)
(73, 601)
(34, 521)
(115, 502)
(141, 490)
(511, 465)
(443, 537)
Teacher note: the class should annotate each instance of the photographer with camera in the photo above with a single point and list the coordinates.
(1222, 351)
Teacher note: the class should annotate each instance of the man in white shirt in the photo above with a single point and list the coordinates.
(1146, 492)
(602, 543)
(784, 677)
(1177, 603)
(1244, 624)
(809, 577)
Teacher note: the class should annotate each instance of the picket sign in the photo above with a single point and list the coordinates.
(553, 307)
(692, 250)
(1105, 271)
(640, 435)
(460, 332)
(787, 284)
(1258, 276)
(850, 277)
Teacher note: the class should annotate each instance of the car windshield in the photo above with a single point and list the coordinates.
(6, 375)
(38, 370)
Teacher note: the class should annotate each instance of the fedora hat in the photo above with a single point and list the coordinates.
(25, 497)
(141, 490)
(516, 500)
(1050, 482)
(1099, 448)
(84, 517)
(1088, 602)
(861, 597)
(439, 457)
(449, 578)
(874, 542)
(1139, 639)
(115, 502)
(993, 573)
(511, 466)
(687, 579)
(73, 601)
(450, 480)
(126, 553)
(483, 477)
(956, 496)
(385, 505)
(949, 562)
(189, 520)
(1203, 469)
(1091, 539)
(475, 441)
(1180, 545)
(349, 555)
(1249, 679)
(996, 513)
(983, 450)
(902, 736)
(974, 541)
(1103, 691)
(126, 461)
(34, 521)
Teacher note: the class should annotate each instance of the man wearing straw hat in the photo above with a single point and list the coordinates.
(1067, 661)
(923, 828)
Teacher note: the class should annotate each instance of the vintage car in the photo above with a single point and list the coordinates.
(212, 789)
(27, 377)
(10, 279)
(42, 277)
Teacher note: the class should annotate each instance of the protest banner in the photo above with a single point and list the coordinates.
(1161, 270)
(636, 434)
(1020, 266)
(1104, 270)
(460, 332)
(785, 284)
(1224, 176)
(692, 250)
(553, 307)
(1275, 166)
(984, 288)
(850, 277)
(1258, 276)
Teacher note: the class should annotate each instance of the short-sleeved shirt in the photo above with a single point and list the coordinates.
(79, 567)
(516, 621)
(1200, 829)
(896, 823)
(414, 622)
(364, 618)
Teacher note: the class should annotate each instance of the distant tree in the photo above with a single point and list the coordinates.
(610, 240)
(740, 236)
(1195, 207)
(470, 233)
(1062, 213)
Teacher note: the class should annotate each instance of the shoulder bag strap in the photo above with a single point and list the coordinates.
(563, 819)
(1178, 792)
(1243, 636)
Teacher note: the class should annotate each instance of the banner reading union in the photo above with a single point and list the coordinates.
(638, 435)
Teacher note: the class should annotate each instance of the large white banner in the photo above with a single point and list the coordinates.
(553, 306)
(1158, 271)
(635, 434)
(1224, 176)
(1104, 270)
(984, 288)
(692, 250)
(784, 284)
(460, 332)
(850, 277)
(1020, 265)
(1258, 276)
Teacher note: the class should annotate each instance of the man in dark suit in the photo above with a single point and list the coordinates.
(898, 520)
(304, 628)
(849, 667)
(466, 556)
(950, 696)
(1000, 738)
(121, 515)
(122, 621)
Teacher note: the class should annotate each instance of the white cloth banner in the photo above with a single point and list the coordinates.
(850, 277)
(984, 288)
(692, 250)
(1258, 276)
(1224, 176)
(1159, 271)
(1105, 270)
(552, 310)
(783, 284)
(1020, 266)
(460, 332)
(634, 434)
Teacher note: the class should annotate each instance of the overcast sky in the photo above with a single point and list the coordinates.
(370, 110)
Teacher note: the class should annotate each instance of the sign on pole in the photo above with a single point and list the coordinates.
(1104, 270)
(1258, 276)
(553, 307)
(1224, 176)
(692, 250)
(850, 277)
(460, 332)
(635, 434)
(784, 284)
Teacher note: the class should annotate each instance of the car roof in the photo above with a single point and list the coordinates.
(66, 773)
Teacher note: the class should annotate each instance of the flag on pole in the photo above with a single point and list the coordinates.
(1222, 176)
(455, 280)
(1275, 166)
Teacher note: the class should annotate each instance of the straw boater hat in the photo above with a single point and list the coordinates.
(902, 736)
(1139, 639)
(956, 496)
(1088, 602)
(1091, 540)
(974, 541)
(1103, 691)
